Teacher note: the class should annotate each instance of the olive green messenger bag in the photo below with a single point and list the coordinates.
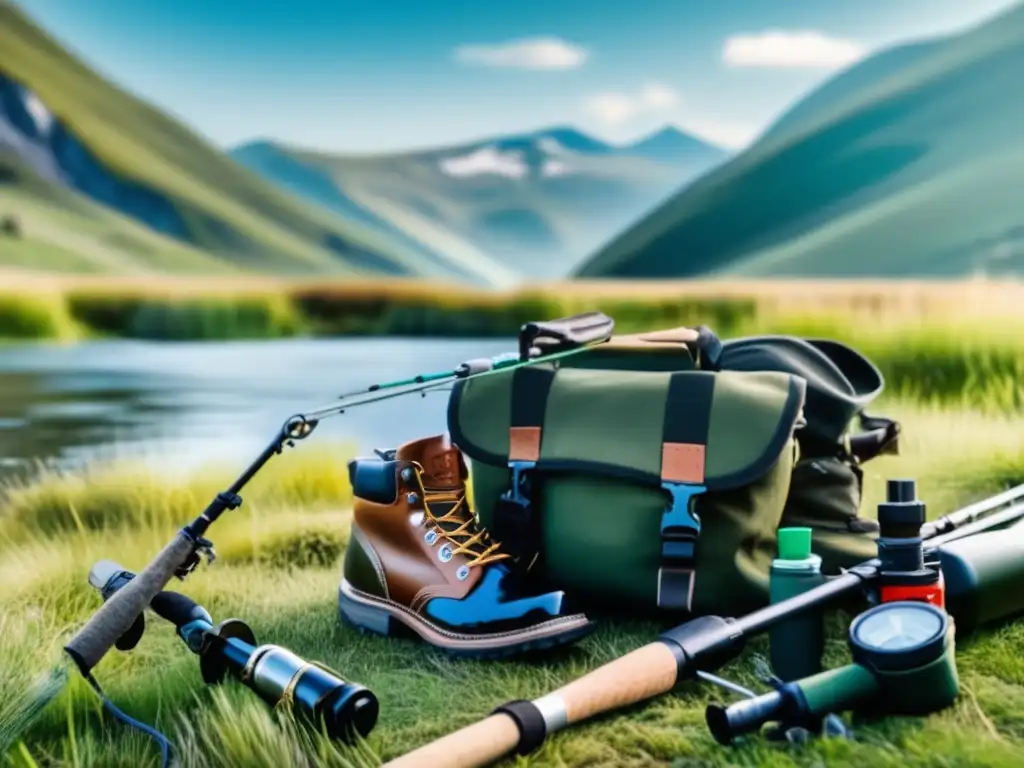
(653, 471)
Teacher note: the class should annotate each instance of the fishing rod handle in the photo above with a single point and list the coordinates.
(116, 616)
(474, 746)
(640, 675)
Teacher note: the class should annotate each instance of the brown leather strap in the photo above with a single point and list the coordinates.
(524, 443)
(530, 388)
(682, 463)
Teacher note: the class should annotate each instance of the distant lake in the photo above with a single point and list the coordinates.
(183, 404)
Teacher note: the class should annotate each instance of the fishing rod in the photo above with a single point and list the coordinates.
(539, 342)
(534, 337)
(706, 643)
(317, 694)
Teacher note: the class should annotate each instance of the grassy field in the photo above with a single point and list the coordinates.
(279, 568)
(956, 343)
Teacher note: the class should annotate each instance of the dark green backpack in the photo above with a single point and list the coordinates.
(585, 469)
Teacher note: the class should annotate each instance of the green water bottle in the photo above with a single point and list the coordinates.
(796, 643)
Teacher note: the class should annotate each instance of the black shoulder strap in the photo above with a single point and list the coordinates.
(684, 439)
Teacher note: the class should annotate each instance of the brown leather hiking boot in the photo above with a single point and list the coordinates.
(416, 560)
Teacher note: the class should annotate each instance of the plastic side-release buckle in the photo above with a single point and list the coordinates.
(680, 529)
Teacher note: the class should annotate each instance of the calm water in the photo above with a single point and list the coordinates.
(181, 404)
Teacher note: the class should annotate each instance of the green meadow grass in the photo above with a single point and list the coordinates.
(963, 358)
(279, 568)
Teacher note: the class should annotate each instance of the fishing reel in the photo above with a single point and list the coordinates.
(903, 664)
(278, 676)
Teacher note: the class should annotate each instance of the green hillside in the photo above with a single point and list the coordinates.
(108, 146)
(909, 164)
(59, 230)
(536, 202)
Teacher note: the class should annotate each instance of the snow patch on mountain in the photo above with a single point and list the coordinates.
(38, 111)
(543, 156)
(552, 146)
(486, 161)
(23, 131)
(555, 168)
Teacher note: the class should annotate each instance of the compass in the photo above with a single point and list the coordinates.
(899, 635)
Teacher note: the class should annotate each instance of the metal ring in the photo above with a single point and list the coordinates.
(250, 663)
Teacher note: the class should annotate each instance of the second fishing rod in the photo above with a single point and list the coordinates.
(978, 551)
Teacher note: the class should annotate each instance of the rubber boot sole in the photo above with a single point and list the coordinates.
(370, 614)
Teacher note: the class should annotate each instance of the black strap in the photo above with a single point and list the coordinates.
(685, 430)
(516, 523)
(530, 388)
(530, 722)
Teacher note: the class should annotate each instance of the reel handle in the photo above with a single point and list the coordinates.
(116, 616)
(564, 333)
(180, 610)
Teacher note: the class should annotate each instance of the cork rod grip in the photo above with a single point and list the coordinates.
(479, 744)
(115, 616)
(637, 676)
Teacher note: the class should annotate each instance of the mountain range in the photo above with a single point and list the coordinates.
(93, 179)
(536, 203)
(908, 164)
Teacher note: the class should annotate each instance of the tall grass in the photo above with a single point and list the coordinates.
(35, 316)
(975, 359)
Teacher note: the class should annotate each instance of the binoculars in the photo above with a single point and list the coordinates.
(278, 676)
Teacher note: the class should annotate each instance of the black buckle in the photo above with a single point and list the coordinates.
(513, 526)
(680, 528)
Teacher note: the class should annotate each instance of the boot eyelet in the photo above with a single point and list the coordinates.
(463, 573)
(430, 538)
(407, 475)
(444, 554)
(411, 498)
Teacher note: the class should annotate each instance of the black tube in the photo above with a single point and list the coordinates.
(762, 619)
(744, 716)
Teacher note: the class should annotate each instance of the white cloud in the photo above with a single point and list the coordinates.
(617, 108)
(528, 53)
(776, 48)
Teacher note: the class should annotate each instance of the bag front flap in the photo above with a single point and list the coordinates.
(720, 430)
(841, 382)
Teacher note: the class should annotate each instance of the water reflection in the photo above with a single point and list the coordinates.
(185, 404)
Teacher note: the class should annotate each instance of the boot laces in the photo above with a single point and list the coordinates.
(476, 543)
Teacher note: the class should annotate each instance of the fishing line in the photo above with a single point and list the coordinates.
(162, 741)
(539, 342)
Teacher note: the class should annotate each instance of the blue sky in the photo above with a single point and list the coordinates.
(366, 75)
